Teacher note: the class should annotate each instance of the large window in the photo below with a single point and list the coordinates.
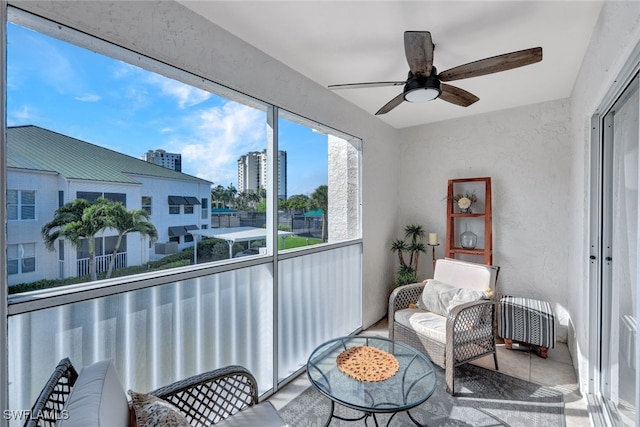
(21, 258)
(322, 168)
(92, 196)
(254, 181)
(21, 205)
(97, 117)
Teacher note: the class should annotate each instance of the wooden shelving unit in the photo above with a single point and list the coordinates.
(481, 221)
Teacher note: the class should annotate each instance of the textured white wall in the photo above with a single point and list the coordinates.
(525, 151)
(344, 187)
(169, 32)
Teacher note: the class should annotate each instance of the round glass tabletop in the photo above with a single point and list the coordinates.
(414, 382)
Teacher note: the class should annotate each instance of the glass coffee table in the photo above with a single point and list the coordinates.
(412, 384)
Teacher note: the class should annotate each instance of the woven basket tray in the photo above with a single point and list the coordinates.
(367, 363)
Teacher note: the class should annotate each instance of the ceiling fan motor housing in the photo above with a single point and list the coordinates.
(421, 88)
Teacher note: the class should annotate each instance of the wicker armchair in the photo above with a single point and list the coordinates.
(219, 397)
(470, 327)
(53, 396)
(209, 398)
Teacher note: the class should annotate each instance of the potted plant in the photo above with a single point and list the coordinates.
(412, 246)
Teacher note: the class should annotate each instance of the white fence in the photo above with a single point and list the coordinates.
(102, 263)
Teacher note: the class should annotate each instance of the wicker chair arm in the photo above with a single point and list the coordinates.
(475, 313)
(476, 316)
(209, 398)
(400, 299)
(47, 409)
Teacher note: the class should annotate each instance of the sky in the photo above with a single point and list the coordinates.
(107, 102)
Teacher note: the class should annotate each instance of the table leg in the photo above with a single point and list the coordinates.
(333, 415)
(414, 420)
(333, 406)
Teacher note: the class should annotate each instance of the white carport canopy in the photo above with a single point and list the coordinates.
(233, 235)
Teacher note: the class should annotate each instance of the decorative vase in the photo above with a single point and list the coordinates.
(468, 239)
(467, 210)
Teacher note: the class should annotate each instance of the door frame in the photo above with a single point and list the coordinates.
(603, 416)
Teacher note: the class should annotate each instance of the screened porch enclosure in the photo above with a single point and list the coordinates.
(158, 335)
(175, 317)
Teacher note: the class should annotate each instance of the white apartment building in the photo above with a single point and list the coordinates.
(166, 160)
(46, 170)
(252, 172)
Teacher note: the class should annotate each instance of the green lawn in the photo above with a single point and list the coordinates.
(295, 242)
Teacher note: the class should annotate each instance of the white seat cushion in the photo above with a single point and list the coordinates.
(97, 399)
(425, 323)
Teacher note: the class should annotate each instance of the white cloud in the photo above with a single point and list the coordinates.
(221, 134)
(17, 117)
(186, 95)
(88, 97)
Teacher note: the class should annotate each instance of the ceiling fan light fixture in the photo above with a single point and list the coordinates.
(424, 94)
(422, 89)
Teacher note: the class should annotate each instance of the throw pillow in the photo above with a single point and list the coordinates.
(152, 411)
(463, 296)
(436, 297)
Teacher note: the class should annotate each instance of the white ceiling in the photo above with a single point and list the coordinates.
(335, 42)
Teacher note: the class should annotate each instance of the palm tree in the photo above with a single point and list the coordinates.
(408, 272)
(230, 194)
(298, 202)
(415, 233)
(115, 215)
(320, 200)
(75, 221)
(254, 199)
(217, 194)
(262, 193)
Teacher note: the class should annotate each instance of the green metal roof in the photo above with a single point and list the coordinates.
(35, 148)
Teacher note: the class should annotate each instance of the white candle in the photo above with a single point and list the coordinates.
(433, 239)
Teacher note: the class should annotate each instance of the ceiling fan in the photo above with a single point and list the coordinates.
(424, 83)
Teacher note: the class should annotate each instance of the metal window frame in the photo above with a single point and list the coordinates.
(4, 284)
(17, 304)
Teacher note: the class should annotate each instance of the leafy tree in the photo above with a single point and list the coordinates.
(75, 221)
(230, 194)
(408, 272)
(298, 202)
(80, 219)
(217, 195)
(320, 200)
(262, 193)
(115, 215)
(254, 198)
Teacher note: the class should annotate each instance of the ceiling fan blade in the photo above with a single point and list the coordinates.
(457, 96)
(365, 85)
(418, 49)
(391, 104)
(495, 64)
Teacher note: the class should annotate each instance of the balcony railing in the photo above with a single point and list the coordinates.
(159, 332)
(102, 263)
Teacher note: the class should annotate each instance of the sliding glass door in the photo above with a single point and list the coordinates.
(619, 257)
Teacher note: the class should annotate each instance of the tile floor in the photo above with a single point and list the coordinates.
(556, 372)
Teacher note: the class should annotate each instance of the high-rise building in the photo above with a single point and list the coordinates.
(164, 159)
(252, 172)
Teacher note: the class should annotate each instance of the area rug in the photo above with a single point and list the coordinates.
(483, 398)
